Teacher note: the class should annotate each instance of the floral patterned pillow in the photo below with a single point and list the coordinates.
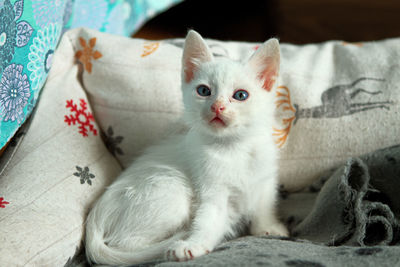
(29, 33)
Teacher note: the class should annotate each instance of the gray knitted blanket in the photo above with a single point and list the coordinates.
(350, 217)
(358, 204)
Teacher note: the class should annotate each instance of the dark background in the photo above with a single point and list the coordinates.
(293, 21)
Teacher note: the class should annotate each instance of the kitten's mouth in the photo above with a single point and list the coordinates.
(217, 121)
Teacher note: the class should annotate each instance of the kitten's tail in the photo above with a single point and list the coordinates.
(97, 251)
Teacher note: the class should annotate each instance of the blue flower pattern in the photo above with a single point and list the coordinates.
(41, 55)
(48, 11)
(89, 13)
(14, 93)
(29, 33)
(114, 23)
(8, 34)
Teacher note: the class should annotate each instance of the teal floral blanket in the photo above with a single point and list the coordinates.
(29, 33)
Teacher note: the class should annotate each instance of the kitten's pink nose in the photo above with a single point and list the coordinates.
(217, 107)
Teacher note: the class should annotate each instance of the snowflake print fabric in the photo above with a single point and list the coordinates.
(3, 203)
(112, 142)
(87, 53)
(80, 116)
(84, 175)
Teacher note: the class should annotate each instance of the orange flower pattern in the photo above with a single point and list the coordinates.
(284, 102)
(149, 48)
(87, 53)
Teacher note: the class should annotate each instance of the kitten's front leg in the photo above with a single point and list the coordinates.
(264, 220)
(208, 228)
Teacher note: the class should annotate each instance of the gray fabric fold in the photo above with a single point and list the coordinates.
(275, 251)
(358, 205)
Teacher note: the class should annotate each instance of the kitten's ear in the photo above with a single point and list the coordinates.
(265, 62)
(195, 52)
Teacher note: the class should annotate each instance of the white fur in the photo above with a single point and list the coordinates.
(187, 194)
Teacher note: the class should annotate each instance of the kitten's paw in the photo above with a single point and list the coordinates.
(277, 229)
(184, 250)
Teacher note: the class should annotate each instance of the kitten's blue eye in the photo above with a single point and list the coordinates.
(240, 95)
(203, 90)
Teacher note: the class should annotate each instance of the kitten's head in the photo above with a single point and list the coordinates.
(224, 97)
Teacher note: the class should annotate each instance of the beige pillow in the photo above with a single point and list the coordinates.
(51, 175)
(334, 100)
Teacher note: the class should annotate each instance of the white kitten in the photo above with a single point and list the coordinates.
(186, 195)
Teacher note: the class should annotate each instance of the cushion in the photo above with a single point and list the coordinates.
(334, 100)
(54, 171)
